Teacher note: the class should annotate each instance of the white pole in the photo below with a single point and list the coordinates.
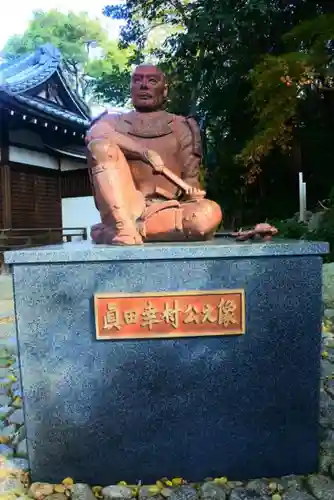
(304, 202)
(301, 204)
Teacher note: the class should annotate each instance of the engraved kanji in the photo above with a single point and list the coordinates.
(112, 318)
(150, 316)
(171, 315)
(192, 314)
(130, 317)
(226, 312)
(209, 314)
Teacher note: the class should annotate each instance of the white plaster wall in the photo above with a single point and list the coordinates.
(35, 158)
(38, 159)
(66, 165)
(79, 212)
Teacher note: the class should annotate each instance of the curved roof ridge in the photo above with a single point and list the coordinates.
(83, 108)
(30, 70)
(21, 74)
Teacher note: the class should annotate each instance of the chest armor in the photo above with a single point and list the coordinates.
(157, 133)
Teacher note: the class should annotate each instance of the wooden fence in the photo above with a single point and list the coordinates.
(14, 239)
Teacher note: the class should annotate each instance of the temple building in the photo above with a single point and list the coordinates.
(42, 157)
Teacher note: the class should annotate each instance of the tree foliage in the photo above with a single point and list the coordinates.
(111, 75)
(69, 32)
(73, 34)
(283, 84)
(214, 58)
(141, 39)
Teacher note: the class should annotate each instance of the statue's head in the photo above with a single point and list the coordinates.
(148, 88)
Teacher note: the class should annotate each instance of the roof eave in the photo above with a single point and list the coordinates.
(11, 102)
(66, 153)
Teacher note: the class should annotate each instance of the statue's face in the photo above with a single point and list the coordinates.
(148, 88)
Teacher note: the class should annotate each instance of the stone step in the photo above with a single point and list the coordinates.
(6, 307)
(6, 287)
(7, 332)
(10, 344)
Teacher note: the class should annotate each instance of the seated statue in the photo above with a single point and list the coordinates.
(144, 168)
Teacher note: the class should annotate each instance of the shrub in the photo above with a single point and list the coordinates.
(290, 228)
(325, 232)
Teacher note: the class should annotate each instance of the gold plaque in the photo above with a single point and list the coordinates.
(169, 314)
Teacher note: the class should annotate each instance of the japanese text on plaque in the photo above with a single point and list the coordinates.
(170, 314)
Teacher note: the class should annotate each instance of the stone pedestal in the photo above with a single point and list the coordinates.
(103, 411)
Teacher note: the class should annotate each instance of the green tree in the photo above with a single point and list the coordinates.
(111, 75)
(74, 34)
(208, 62)
(285, 86)
(112, 85)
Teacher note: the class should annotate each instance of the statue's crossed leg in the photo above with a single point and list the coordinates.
(166, 221)
(126, 218)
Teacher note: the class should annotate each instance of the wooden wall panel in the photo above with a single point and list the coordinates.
(36, 201)
(22, 200)
(4, 174)
(6, 196)
(1, 202)
(75, 183)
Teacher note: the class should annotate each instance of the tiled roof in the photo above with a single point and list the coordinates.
(20, 75)
(26, 72)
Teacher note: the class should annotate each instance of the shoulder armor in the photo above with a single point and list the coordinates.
(196, 135)
(106, 116)
(97, 118)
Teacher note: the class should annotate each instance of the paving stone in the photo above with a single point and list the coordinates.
(19, 463)
(16, 417)
(5, 383)
(6, 287)
(7, 432)
(11, 345)
(322, 487)
(4, 372)
(4, 362)
(4, 400)
(115, 492)
(21, 450)
(82, 492)
(5, 412)
(6, 451)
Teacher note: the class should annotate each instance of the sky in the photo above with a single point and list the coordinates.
(15, 16)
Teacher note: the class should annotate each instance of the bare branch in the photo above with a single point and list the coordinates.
(322, 205)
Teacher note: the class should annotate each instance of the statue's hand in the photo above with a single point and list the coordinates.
(262, 231)
(189, 192)
(193, 193)
(155, 161)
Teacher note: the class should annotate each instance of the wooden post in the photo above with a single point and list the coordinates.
(6, 196)
(302, 198)
(5, 181)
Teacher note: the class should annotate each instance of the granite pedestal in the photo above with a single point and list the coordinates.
(102, 411)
